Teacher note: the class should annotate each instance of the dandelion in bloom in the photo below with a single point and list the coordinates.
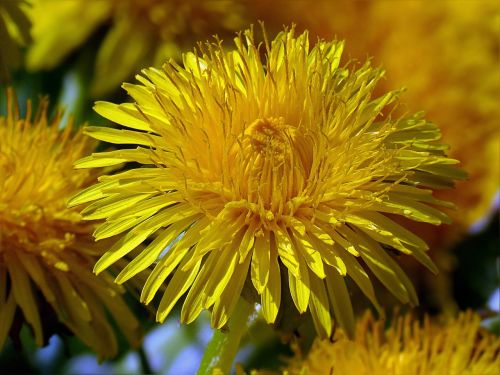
(46, 249)
(270, 163)
(151, 30)
(408, 347)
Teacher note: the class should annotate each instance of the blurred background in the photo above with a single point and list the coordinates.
(444, 53)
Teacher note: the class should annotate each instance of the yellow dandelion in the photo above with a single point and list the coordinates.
(266, 171)
(46, 250)
(14, 31)
(151, 30)
(407, 347)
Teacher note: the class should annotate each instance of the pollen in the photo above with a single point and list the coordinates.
(271, 137)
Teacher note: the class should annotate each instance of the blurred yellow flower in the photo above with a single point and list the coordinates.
(458, 86)
(46, 250)
(280, 169)
(141, 32)
(14, 32)
(407, 347)
(451, 73)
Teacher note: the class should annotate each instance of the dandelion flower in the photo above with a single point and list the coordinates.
(274, 170)
(141, 32)
(14, 31)
(46, 250)
(407, 347)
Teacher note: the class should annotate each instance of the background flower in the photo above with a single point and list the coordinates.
(409, 347)
(46, 250)
(137, 32)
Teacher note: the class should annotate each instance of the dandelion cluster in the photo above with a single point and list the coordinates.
(46, 249)
(275, 167)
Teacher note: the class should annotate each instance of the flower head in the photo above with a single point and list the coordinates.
(46, 250)
(142, 32)
(407, 347)
(275, 170)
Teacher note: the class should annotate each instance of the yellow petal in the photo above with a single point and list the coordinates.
(221, 274)
(271, 295)
(177, 286)
(286, 252)
(7, 310)
(91, 193)
(171, 260)
(320, 307)
(151, 253)
(38, 275)
(260, 262)
(300, 290)
(340, 299)
(123, 114)
(126, 244)
(225, 305)
(23, 294)
(311, 255)
(72, 303)
(108, 206)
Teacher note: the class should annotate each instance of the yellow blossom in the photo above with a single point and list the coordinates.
(407, 347)
(267, 163)
(46, 250)
(141, 32)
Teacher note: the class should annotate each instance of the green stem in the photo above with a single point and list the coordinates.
(146, 368)
(222, 348)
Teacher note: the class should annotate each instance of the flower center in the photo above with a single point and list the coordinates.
(270, 137)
